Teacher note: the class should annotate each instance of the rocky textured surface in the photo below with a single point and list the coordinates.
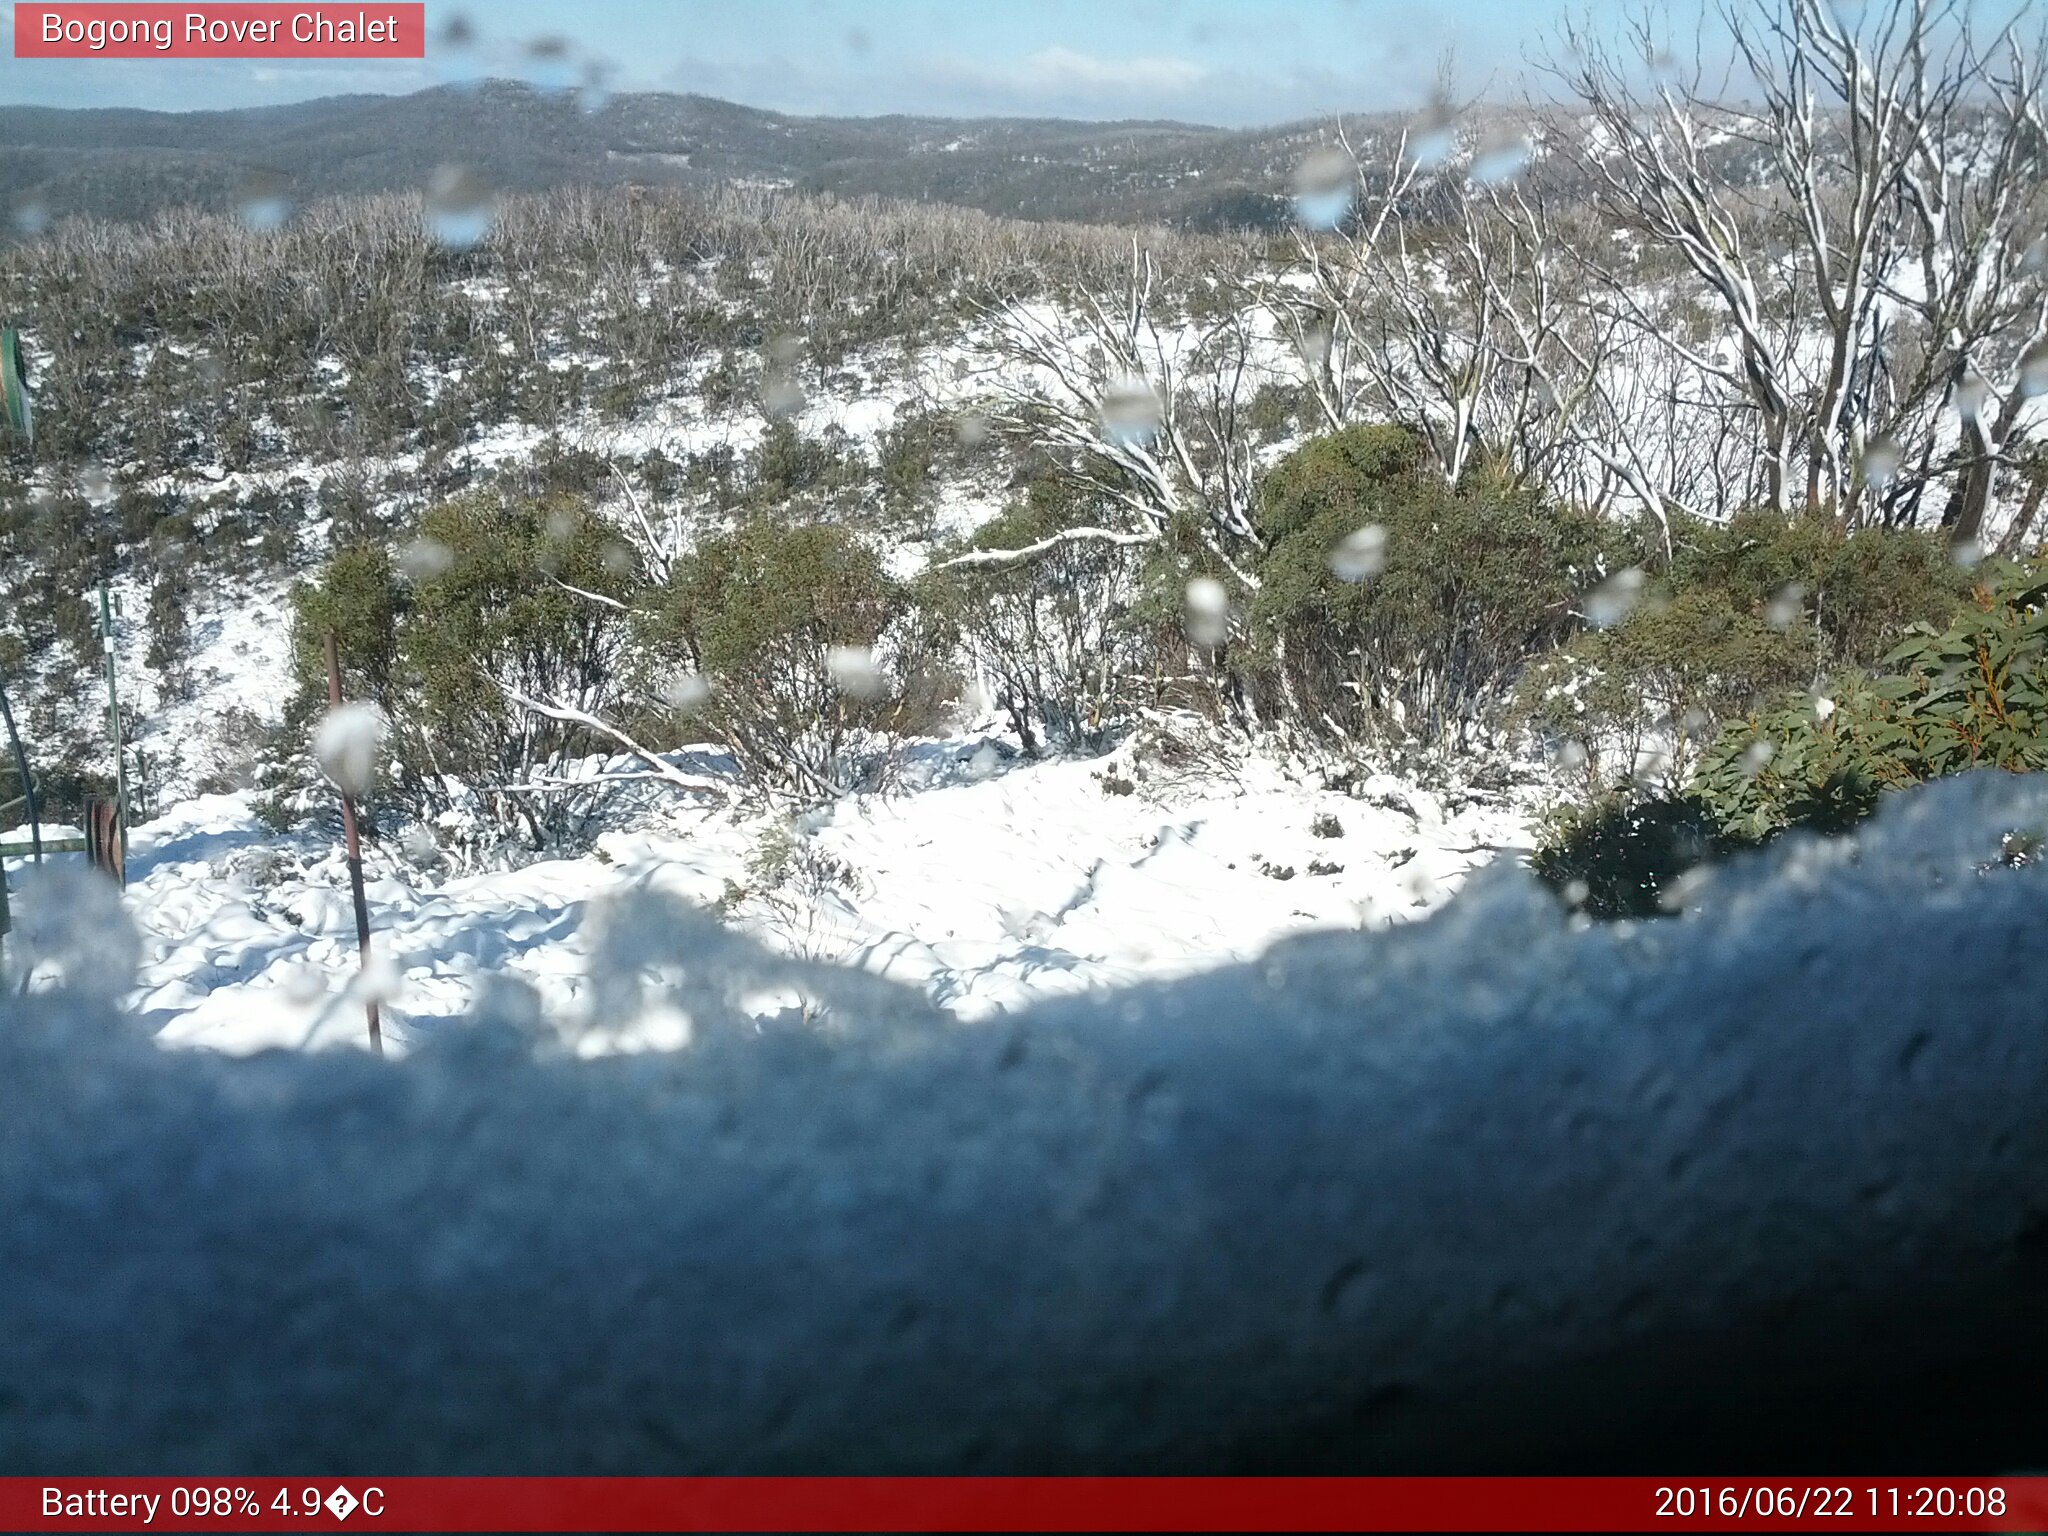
(1765, 1184)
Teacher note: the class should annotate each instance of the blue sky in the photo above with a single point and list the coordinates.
(1219, 61)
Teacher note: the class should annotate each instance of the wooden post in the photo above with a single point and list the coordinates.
(355, 856)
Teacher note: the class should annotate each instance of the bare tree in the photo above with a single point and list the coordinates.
(1851, 208)
(1149, 418)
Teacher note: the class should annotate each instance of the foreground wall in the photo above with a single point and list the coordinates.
(1765, 1185)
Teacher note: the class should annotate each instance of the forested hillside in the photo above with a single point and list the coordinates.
(125, 163)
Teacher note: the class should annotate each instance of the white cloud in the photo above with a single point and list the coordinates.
(1054, 82)
(1067, 69)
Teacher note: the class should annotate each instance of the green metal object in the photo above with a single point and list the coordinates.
(14, 406)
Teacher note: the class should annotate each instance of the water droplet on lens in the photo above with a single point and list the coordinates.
(263, 199)
(1434, 135)
(1788, 607)
(1131, 411)
(782, 397)
(1324, 185)
(460, 207)
(1615, 598)
(1881, 461)
(424, 559)
(854, 672)
(1208, 611)
(1360, 556)
(686, 693)
(2034, 370)
(548, 63)
(345, 745)
(1971, 393)
(1500, 159)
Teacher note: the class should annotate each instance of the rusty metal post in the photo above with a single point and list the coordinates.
(355, 856)
(114, 729)
(103, 845)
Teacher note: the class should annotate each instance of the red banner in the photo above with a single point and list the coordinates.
(320, 30)
(1023, 1504)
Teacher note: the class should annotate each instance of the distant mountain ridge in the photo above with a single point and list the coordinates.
(127, 163)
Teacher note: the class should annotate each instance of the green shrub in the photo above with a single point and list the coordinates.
(1851, 593)
(1476, 581)
(1744, 611)
(356, 597)
(1973, 694)
(788, 464)
(439, 653)
(775, 618)
(1618, 858)
(1643, 696)
(911, 457)
(501, 615)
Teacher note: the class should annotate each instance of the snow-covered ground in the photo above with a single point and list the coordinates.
(988, 888)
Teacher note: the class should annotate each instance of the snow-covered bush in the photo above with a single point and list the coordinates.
(1741, 611)
(1974, 694)
(1054, 632)
(1943, 702)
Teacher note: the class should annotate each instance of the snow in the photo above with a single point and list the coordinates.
(1317, 1210)
(985, 890)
